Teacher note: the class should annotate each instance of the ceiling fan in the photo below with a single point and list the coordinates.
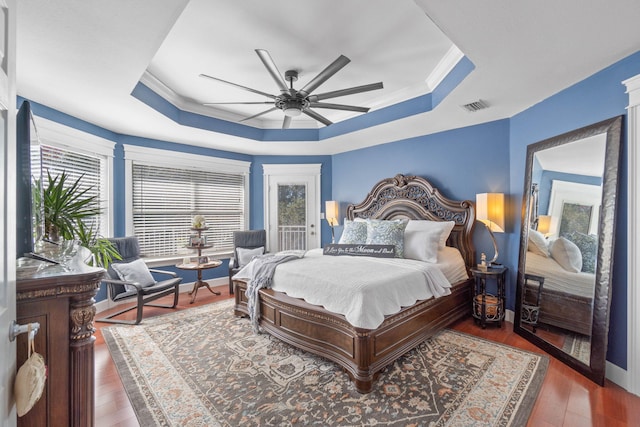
(296, 102)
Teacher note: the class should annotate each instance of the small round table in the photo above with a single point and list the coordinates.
(199, 283)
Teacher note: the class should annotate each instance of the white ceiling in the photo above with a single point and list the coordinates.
(84, 58)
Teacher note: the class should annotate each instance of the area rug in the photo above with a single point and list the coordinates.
(205, 367)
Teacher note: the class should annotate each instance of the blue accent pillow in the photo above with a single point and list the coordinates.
(588, 245)
(387, 232)
(354, 233)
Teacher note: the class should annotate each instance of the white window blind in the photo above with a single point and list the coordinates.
(91, 168)
(166, 199)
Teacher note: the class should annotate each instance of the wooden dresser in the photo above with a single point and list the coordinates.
(62, 302)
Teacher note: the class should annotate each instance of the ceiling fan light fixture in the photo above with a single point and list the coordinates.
(292, 111)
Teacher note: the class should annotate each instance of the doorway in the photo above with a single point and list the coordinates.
(292, 200)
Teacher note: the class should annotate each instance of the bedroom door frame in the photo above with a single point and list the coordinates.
(632, 377)
(279, 174)
(8, 177)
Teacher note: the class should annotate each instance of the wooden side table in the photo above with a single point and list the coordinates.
(489, 308)
(199, 283)
(531, 296)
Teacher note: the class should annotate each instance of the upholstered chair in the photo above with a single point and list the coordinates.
(130, 279)
(246, 245)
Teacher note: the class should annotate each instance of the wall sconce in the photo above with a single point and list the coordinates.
(544, 224)
(331, 215)
(490, 212)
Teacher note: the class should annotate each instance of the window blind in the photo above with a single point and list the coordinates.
(166, 199)
(56, 160)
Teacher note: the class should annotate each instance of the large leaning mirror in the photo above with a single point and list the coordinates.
(566, 245)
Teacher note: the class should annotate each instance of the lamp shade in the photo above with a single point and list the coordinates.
(332, 212)
(490, 210)
(544, 224)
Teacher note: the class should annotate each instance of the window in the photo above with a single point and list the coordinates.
(79, 154)
(168, 189)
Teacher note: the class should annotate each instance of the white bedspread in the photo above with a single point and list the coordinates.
(363, 289)
(559, 279)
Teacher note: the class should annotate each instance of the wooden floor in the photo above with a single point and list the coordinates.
(566, 398)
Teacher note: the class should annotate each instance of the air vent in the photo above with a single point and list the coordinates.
(472, 107)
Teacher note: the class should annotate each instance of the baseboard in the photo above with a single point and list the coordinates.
(107, 304)
(617, 375)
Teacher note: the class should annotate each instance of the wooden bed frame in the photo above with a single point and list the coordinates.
(363, 353)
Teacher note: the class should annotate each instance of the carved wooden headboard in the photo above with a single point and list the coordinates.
(413, 197)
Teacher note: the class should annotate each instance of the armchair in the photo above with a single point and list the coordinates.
(246, 245)
(130, 278)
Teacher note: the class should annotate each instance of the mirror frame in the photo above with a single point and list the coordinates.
(606, 234)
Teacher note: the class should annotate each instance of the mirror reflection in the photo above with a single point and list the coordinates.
(566, 245)
(560, 266)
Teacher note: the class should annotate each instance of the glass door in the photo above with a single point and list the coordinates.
(292, 214)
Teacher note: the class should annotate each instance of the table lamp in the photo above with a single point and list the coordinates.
(331, 215)
(490, 212)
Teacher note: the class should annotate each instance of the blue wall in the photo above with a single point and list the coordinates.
(461, 163)
(546, 183)
(596, 98)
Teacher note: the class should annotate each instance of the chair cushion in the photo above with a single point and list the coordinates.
(135, 271)
(153, 289)
(245, 255)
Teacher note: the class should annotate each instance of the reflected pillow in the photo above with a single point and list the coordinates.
(444, 227)
(134, 271)
(588, 245)
(567, 254)
(537, 243)
(245, 255)
(422, 245)
(354, 233)
(382, 232)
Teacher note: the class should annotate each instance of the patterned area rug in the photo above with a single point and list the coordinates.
(204, 367)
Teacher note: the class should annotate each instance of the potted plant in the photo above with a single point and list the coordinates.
(65, 208)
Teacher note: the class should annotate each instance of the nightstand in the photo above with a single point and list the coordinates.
(489, 307)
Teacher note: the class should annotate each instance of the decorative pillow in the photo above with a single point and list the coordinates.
(444, 227)
(567, 254)
(537, 243)
(588, 245)
(422, 245)
(381, 232)
(134, 271)
(245, 255)
(354, 233)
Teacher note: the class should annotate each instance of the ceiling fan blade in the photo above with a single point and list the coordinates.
(238, 103)
(268, 95)
(339, 107)
(287, 122)
(343, 92)
(317, 117)
(324, 75)
(259, 114)
(273, 70)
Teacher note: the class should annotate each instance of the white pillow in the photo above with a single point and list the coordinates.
(134, 271)
(537, 243)
(245, 255)
(444, 227)
(422, 245)
(567, 254)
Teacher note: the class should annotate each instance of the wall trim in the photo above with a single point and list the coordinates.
(632, 376)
